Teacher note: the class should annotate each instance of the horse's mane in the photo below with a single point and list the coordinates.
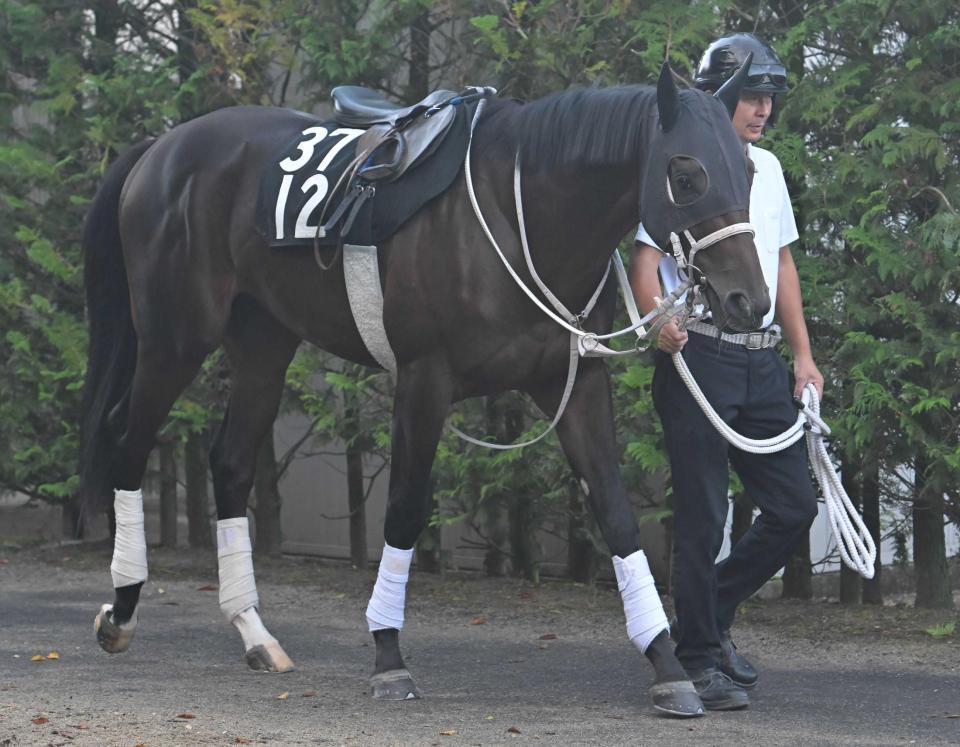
(584, 126)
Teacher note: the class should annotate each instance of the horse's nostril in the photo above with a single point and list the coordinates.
(738, 305)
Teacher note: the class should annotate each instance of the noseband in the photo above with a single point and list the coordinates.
(709, 240)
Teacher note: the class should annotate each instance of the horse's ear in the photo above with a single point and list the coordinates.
(729, 92)
(668, 98)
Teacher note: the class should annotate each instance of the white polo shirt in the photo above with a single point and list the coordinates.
(772, 217)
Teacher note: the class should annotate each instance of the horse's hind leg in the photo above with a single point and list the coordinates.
(260, 350)
(424, 392)
(162, 373)
(587, 435)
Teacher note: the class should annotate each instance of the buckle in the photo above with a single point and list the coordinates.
(755, 340)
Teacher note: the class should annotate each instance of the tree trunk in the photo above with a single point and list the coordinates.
(356, 510)
(168, 494)
(523, 545)
(850, 579)
(268, 501)
(524, 551)
(186, 58)
(355, 504)
(198, 501)
(71, 520)
(872, 590)
(742, 517)
(496, 524)
(107, 21)
(419, 69)
(496, 528)
(798, 575)
(581, 557)
(929, 548)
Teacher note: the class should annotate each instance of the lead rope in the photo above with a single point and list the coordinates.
(856, 546)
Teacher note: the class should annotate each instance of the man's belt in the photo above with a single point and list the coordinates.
(759, 340)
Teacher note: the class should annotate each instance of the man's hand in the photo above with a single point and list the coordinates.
(805, 371)
(672, 338)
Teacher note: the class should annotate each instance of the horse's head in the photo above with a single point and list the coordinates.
(696, 182)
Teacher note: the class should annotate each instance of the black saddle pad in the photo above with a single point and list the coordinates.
(296, 184)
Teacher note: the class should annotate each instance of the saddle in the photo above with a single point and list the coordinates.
(358, 179)
(397, 138)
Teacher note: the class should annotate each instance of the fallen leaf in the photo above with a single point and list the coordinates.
(488, 718)
(40, 720)
(513, 730)
(527, 595)
(242, 740)
(548, 637)
(310, 694)
(449, 733)
(53, 655)
(38, 657)
(3, 561)
(478, 621)
(83, 725)
(283, 696)
(185, 715)
(207, 587)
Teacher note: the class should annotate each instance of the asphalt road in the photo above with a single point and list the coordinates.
(475, 646)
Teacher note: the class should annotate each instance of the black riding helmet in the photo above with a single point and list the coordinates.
(723, 58)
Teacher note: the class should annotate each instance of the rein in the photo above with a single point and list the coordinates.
(582, 342)
(856, 546)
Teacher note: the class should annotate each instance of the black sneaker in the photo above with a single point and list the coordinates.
(735, 665)
(717, 691)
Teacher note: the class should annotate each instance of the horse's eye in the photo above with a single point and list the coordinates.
(687, 180)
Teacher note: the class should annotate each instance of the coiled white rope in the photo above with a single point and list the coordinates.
(857, 548)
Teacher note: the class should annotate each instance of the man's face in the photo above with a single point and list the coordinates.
(752, 114)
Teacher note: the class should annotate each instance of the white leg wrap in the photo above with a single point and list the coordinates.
(641, 603)
(238, 589)
(129, 564)
(385, 609)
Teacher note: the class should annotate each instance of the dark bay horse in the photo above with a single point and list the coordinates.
(174, 268)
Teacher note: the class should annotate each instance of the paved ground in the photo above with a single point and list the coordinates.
(829, 675)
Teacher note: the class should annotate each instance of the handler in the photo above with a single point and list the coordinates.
(746, 381)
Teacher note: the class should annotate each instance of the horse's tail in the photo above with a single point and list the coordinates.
(112, 350)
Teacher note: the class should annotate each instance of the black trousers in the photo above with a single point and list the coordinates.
(750, 390)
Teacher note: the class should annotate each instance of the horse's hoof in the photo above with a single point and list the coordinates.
(678, 699)
(269, 657)
(395, 684)
(113, 638)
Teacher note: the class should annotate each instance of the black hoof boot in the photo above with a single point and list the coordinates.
(390, 679)
(673, 694)
(677, 699)
(395, 684)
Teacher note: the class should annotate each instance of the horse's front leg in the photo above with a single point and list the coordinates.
(423, 396)
(587, 434)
